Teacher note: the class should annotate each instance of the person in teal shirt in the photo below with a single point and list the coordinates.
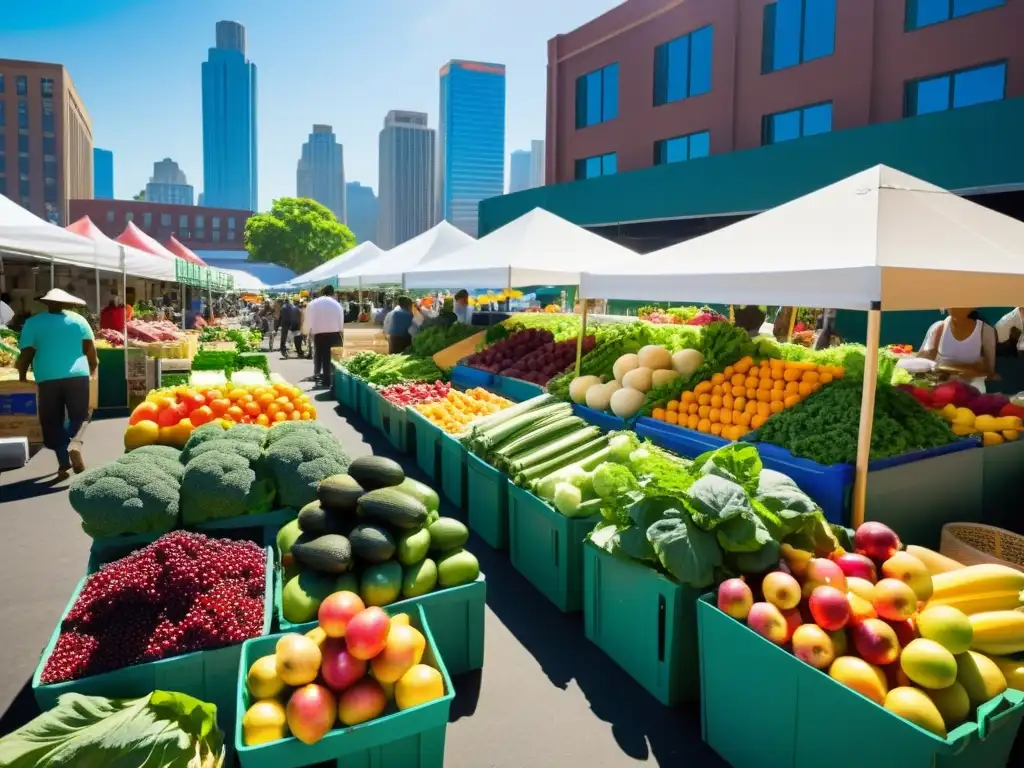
(58, 346)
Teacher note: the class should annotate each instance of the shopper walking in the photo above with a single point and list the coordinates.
(58, 346)
(289, 324)
(325, 325)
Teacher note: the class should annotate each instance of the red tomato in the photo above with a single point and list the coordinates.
(201, 415)
(169, 417)
(191, 400)
(144, 412)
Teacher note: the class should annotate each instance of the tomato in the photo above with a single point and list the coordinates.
(283, 399)
(201, 415)
(219, 405)
(169, 417)
(236, 394)
(213, 394)
(234, 413)
(263, 420)
(252, 409)
(145, 411)
(304, 415)
(266, 399)
(280, 416)
(288, 407)
(294, 415)
(191, 400)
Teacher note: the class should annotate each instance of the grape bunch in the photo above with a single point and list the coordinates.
(184, 592)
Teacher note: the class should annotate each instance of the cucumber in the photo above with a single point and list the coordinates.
(447, 534)
(413, 546)
(419, 579)
(457, 568)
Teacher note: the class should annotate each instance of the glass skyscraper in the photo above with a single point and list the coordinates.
(229, 122)
(406, 161)
(320, 174)
(471, 140)
(102, 174)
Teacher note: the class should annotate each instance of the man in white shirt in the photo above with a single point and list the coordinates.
(324, 323)
(1010, 326)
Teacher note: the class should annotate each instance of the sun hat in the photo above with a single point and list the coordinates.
(57, 296)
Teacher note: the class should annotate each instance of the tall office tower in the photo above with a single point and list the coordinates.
(46, 148)
(361, 210)
(102, 174)
(537, 163)
(169, 185)
(406, 158)
(229, 122)
(320, 174)
(471, 140)
(519, 170)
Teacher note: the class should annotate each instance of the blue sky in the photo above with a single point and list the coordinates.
(136, 64)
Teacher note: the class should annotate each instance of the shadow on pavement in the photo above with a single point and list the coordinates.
(22, 709)
(31, 488)
(467, 687)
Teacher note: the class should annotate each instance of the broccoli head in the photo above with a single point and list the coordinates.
(300, 461)
(248, 450)
(221, 484)
(289, 428)
(125, 497)
(246, 433)
(210, 431)
(159, 457)
(250, 433)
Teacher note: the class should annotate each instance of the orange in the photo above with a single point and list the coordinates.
(266, 399)
(252, 409)
(280, 416)
(763, 409)
(718, 378)
(777, 396)
(715, 415)
(672, 417)
(728, 402)
(716, 429)
(825, 378)
(305, 416)
(703, 388)
(704, 411)
(790, 401)
(219, 405)
(716, 391)
(725, 417)
(739, 390)
(201, 415)
(673, 405)
(312, 412)
(692, 422)
(757, 421)
(739, 403)
(704, 426)
(804, 388)
(704, 399)
(145, 411)
(288, 407)
(751, 382)
(742, 419)
(728, 372)
(294, 416)
(658, 414)
(743, 365)
(693, 408)
(716, 401)
(282, 399)
(272, 409)
(234, 413)
(751, 394)
(776, 407)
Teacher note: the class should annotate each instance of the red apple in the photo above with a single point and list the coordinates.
(858, 566)
(829, 607)
(768, 621)
(875, 641)
(781, 590)
(735, 598)
(877, 541)
(823, 572)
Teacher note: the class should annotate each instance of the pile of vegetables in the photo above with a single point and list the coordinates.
(432, 339)
(215, 360)
(153, 330)
(669, 316)
(698, 523)
(530, 355)
(560, 326)
(384, 370)
(245, 340)
(416, 393)
(824, 426)
(993, 416)
(457, 410)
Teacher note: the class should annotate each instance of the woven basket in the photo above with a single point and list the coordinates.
(974, 544)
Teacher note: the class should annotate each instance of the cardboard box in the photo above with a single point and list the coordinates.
(21, 426)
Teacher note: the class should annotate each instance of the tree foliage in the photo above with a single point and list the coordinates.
(297, 233)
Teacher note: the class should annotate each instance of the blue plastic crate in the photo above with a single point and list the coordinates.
(515, 389)
(453, 470)
(428, 441)
(464, 377)
(606, 421)
(487, 501)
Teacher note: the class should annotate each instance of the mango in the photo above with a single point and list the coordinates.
(262, 679)
(1013, 671)
(419, 685)
(363, 701)
(980, 676)
(297, 659)
(947, 626)
(929, 664)
(403, 650)
(953, 704)
(264, 721)
(312, 710)
(866, 679)
(914, 705)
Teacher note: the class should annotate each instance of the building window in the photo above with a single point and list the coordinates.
(953, 90)
(598, 165)
(200, 222)
(231, 222)
(48, 117)
(682, 67)
(3, 113)
(165, 219)
(231, 235)
(597, 96)
(46, 87)
(49, 145)
(3, 163)
(21, 85)
(216, 222)
(681, 148)
(797, 123)
(147, 221)
(50, 172)
(200, 234)
(2, 84)
(183, 221)
(23, 143)
(52, 212)
(23, 189)
(128, 216)
(924, 13)
(22, 114)
(796, 31)
(216, 235)
(23, 167)
(110, 217)
(183, 233)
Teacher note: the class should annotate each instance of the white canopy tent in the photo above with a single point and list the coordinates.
(538, 248)
(427, 248)
(354, 257)
(880, 239)
(25, 234)
(244, 281)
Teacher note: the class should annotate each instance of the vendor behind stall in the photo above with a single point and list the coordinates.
(58, 345)
(397, 326)
(964, 344)
(1010, 329)
(463, 312)
(115, 315)
(6, 313)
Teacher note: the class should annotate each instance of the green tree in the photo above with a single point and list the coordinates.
(140, 196)
(297, 233)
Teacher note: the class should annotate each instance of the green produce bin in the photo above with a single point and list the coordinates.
(363, 401)
(378, 410)
(111, 385)
(210, 676)
(761, 707)
(644, 622)
(413, 738)
(1003, 485)
(547, 547)
(487, 501)
(428, 441)
(453, 470)
(339, 383)
(399, 426)
(457, 614)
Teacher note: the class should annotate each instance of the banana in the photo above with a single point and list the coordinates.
(970, 604)
(933, 561)
(986, 580)
(1013, 671)
(999, 633)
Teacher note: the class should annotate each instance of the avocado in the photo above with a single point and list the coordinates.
(372, 472)
(339, 492)
(371, 543)
(381, 583)
(419, 578)
(330, 553)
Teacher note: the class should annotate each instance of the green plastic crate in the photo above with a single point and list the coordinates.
(457, 615)
(794, 716)
(399, 427)
(413, 738)
(208, 675)
(487, 501)
(547, 547)
(453, 470)
(428, 440)
(1002, 484)
(345, 390)
(378, 410)
(644, 622)
(363, 399)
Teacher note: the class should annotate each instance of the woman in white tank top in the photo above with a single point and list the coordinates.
(965, 342)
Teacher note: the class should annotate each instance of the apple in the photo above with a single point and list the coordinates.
(813, 645)
(829, 607)
(781, 590)
(768, 622)
(735, 598)
(875, 641)
(859, 566)
(877, 541)
(822, 572)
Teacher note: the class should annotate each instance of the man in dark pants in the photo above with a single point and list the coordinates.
(289, 324)
(324, 324)
(58, 345)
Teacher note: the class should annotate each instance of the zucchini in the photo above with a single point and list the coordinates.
(393, 507)
(513, 427)
(551, 450)
(499, 418)
(546, 431)
(544, 469)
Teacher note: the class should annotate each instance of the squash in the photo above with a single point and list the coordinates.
(986, 423)
(661, 378)
(685, 362)
(991, 438)
(579, 386)
(599, 397)
(655, 357)
(624, 365)
(627, 402)
(639, 379)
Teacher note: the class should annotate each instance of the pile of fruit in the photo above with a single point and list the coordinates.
(530, 355)
(635, 375)
(168, 416)
(969, 412)
(370, 532)
(415, 394)
(743, 396)
(182, 593)
(458, 410)
(917, 633)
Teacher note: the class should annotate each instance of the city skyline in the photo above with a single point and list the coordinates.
(164, 92)
(320, 172)
(169, 184)
(406, 155)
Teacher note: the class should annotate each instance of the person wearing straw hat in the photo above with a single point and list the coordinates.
(58, 345)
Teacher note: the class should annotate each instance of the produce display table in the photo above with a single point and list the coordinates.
(1003, 485)
(793, 714)
(645, 623)
(514, 389)
(487, 501)
(398, 427)
(606, 421)
(112, 383)
(428, 441)
(464, 377)
(547, 547)
(915, 494)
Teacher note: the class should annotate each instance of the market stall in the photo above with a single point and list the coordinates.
(326, 272)
(389, 267)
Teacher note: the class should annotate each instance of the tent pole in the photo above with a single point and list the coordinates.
(184, 303)
(583, 331)
(52, 278)
(867, 413)
(792, 323)
(124, 329)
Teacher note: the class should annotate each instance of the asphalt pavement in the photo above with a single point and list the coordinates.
(546, 698)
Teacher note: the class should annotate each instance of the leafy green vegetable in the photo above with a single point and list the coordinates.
(161, 730)
(384, 370)
(432, 339)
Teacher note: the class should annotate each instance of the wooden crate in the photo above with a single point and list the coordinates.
(360, 340)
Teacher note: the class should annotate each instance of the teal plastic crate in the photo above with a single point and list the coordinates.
(363, 401)
(413, 738)
(547, 547)
(457, 615)
(348, 397)
(399, 427)
(1002, 485)
(428, 441)
(338, 382)
(644, 622)
(453, 471)
(791, 715)
(208, 675)
(487, 501)
(115, 547)
(378, 407)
